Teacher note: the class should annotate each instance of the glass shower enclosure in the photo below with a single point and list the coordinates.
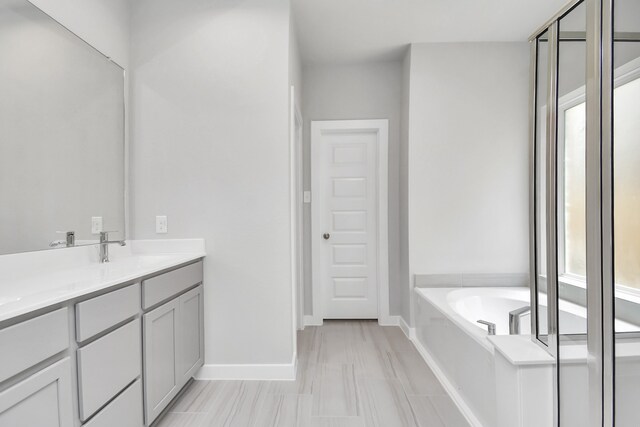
(585, 199)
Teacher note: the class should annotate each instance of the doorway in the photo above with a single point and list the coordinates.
(349, 219)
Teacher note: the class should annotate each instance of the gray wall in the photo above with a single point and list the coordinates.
(210, 101)
(348, 92)
(468, 163)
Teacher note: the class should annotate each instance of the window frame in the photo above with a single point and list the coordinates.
(624, 74)
(566, 102)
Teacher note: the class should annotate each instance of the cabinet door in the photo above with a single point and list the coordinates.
(104, 369)
(44, 399)
(161, 382)
(191, 334)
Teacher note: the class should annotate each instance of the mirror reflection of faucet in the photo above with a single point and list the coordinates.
(69, 241)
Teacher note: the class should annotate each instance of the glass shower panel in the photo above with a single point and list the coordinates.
(626, 209)
(540, 182)
(573, 380)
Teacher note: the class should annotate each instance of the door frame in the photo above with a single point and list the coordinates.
(297, 212)
(381, 126)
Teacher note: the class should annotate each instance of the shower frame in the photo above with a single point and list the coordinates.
(599, 201)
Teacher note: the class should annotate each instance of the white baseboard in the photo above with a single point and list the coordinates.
(258, 372)
(448, 386)
(382, 321)
(408, 331)
(401, 323)
(389, 321)
(312, 321)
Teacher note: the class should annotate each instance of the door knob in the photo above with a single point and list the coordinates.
(326, 236)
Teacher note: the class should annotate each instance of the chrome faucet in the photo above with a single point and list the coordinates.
(514, 319)
(104, 245)
(491, 327)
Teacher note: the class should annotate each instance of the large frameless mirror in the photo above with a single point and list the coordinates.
(62, 132)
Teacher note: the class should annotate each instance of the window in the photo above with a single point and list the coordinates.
(626, 214)
(571, 182)
(572, 258)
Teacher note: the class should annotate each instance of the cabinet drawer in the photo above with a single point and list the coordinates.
(124, 411)
(30, 342)
(107, 365)
(44, 399)
(163, 287)
(101, 313)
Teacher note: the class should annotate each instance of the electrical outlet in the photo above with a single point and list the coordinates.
(161, 224)
(96, 224)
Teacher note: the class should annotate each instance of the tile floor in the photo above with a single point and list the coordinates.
(350, 373)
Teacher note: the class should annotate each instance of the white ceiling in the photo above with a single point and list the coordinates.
(343, 31)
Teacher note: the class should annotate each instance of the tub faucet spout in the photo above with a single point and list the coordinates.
(514, 319)
(491, 327)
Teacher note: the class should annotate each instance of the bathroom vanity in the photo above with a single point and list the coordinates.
(99, 345)
(93, 333)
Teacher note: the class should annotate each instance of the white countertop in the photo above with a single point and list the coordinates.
(36, 280)
(521, 350)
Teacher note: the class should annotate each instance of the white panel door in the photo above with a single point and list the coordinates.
(345, 218)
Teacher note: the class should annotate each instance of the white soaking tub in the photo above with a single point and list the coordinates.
(457, 347)
(490, 304)
(496, 380)
(494, 305)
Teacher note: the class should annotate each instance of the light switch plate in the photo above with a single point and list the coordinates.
(161, 224)
(306, 196)
(96, 224)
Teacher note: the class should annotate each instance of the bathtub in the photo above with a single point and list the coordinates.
(487, 383)
(465, 306)
(468, 305)
(457, 347)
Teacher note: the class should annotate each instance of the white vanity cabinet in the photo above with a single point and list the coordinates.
(116, 357)
(173, 349)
